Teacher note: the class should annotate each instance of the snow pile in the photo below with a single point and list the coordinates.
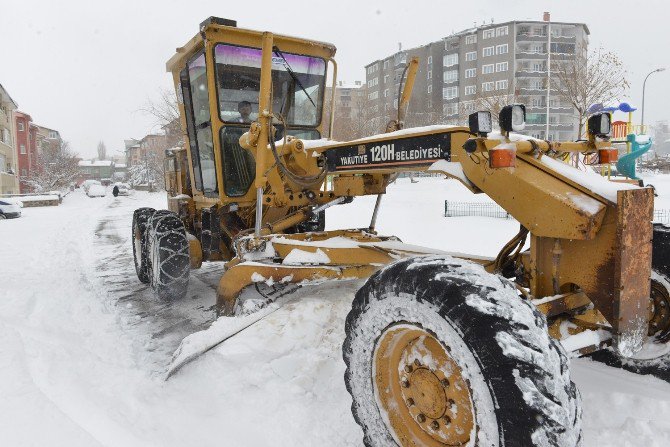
(85, 345)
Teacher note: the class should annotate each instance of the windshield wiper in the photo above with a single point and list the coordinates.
(292, 74)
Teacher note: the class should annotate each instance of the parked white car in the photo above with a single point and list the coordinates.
(9, 210)
(87, 184)
(96, 190)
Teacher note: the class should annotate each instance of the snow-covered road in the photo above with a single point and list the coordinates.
(84, 344)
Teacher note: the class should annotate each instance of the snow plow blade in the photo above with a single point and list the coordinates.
(221, 330)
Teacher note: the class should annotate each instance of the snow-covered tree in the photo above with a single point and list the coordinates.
(151, 169)
(102, 151)
(55, 169)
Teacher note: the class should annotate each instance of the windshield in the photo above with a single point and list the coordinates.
(297, 85)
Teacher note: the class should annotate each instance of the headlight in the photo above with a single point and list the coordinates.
(512, 118)
(480, 123)
(599, 124)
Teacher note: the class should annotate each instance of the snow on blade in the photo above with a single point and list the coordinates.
(222, 329)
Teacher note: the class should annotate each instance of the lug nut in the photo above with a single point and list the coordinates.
(435, 425)
(408, 368)
(445, 383)
(405, 383)
(421, 418)
(410, 402)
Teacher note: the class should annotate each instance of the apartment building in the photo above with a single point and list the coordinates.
(349, 104)
(497, 63)
(9, 181)
(48, 139)
(26, 149)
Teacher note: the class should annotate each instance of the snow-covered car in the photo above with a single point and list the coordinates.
(96, 191)
(9, 210)
(123, 189)
(87, 184)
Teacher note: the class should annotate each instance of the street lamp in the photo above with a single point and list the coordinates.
(644, 84)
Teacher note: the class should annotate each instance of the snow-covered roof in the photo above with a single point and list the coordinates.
(95, 163)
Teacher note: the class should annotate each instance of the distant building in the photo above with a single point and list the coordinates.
(349, 109)
(26, 149)
(101, 170)
(9, 181)
(48, 138)
(508, 59)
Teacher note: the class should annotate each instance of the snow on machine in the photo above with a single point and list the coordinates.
(441, 349)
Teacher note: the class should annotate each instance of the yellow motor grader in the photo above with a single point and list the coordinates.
(441, 349)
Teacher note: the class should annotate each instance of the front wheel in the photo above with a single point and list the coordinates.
(140, 219)
(441, 353)
(169, 259)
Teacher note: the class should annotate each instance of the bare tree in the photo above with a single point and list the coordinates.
(55, 168)
(589, 78)
(102, 151)
(165, 111)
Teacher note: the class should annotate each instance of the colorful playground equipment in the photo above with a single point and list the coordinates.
(634, 136)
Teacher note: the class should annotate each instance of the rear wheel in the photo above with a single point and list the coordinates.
(140, 219)
(169, 260)
(441, 353)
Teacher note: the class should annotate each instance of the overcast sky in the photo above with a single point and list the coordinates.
(86, 68)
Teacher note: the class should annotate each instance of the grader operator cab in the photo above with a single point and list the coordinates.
(440, 349)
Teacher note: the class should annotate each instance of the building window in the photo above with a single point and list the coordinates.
(471, 39)
(386, 63)
(501, 85)
(471, 56)
(386, 93)
(537, 49)
(23, 148)
(430, 89)
(502, 66)
(450, 76)
(449, 109)
(489, 33)
(430, 60)
(487, 69)
(488, 51)
(501, 31)
(373, 95)
(470, 72)
(373, 82)
(24, 172)
(487, 86)
(502, 49)
(450, 59)
(429, 104)
(19, 124)
(449, 92)
(470, 89)
(386, 78)
(395, 104)
(430, 74)
(468, 107)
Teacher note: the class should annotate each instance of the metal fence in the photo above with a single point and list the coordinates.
(487, 209)
(480, 209)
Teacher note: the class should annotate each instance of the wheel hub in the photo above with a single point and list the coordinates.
(659, 320)
(422, 389)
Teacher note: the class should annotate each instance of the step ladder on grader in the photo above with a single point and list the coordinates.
(441, 349)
